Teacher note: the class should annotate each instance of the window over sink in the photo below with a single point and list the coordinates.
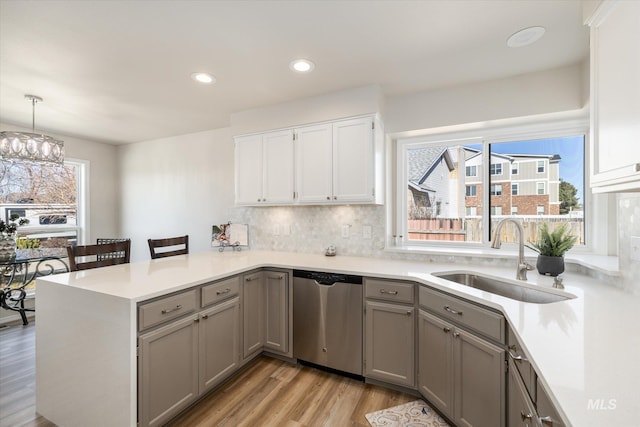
(477, 180)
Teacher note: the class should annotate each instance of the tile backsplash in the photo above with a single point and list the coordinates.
(628, 225)
(311, 229)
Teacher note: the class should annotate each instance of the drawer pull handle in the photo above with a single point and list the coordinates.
(384, 291)
(514, 356)
(446, 330)
(452, 311)
(276, 277)
(205, 316)
(456, 334)
(171, 310)
(548, 421)
(525, 416)
(249, 279)
(226, 291)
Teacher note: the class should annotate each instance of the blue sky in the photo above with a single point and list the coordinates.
(570, 149)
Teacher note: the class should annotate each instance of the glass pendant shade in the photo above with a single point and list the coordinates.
(31, 146)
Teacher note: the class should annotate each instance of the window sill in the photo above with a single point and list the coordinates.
(607, 265)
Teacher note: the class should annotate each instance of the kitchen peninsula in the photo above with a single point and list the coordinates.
(87, 331)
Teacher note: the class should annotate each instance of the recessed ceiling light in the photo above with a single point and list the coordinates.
(525, 36)
(203, 78)
(301, 65)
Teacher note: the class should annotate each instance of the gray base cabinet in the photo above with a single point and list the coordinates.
(167, 371)
(219, 343)
(252, 313)
(389, 343)
(266, 312)
(390, 328)
(461, 374)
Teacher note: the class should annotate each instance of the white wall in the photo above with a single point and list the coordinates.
(176, 186)
(543, 92)
(103, 179)
(347, 103)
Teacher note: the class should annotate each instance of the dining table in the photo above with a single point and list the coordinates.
(18, 273)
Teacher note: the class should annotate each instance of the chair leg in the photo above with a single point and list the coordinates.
(23, 314)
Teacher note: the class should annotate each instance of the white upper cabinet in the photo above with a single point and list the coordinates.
(615, 96)
(335, 163)
(314, 163)
(353, 161)
(264, 168)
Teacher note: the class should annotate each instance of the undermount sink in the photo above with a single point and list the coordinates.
(503, 287)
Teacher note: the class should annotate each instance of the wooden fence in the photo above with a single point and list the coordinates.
(470, 229)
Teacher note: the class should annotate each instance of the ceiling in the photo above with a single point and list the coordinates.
(118, 71)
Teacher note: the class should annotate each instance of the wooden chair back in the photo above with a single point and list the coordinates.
(181, 242)
(105, 240)
(111, 254)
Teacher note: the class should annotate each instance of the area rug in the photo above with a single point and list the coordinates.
(412, 414)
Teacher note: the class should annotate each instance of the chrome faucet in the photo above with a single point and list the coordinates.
(523, 266)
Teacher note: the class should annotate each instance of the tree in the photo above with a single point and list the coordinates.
(37, 182)
(568, 199)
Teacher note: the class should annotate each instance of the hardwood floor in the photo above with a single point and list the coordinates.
(269, 392)
(18, 377)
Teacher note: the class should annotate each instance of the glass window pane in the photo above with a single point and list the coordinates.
(442, 202)
(548, 186)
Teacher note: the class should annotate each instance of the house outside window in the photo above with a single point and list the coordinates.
(464, 213)
(514, 168)
(540, 166)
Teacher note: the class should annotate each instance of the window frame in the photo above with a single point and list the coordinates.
(598, 240)
(544, 188)
(515, 166)
(471, 167)
(544, 167)
(493, 190)
(473, 187)
(516, 186)
(493, 168)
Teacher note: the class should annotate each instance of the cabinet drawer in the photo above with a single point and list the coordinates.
(522, 364)
(389, 290)
(548, 414)
(464, 313)
(157, 312)
(221, 290)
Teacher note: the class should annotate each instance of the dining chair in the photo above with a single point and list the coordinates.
(105, 240)
(86, 257)
(175, 245)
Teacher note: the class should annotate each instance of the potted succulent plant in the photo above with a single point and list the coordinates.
(551, 247)
(7, 235)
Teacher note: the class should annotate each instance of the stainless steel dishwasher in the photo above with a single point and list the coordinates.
(327, 320)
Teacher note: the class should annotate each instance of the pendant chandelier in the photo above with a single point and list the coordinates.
(31, 146)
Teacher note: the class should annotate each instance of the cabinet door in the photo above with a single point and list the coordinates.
(478, 381)
(615, 91)
(435, 361)
(520, 411)
(278, 167)
(276, 325)
(167, 371)
(252, 313)
(547, 413)
(248, 170)
(389, 343)
(314, 163)
(219, 345)
(353, 162)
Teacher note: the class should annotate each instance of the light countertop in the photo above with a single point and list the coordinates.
(583, 349)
